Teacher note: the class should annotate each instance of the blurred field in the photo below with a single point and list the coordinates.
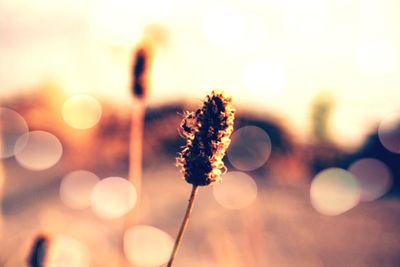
(280, 228)
(93, 91)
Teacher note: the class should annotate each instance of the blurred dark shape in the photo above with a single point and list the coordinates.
(322, 152)
(140, 72)
(108, 140)
(156, 34)
(280, 139)
(287, 162)
(373, 148)
(38, 252)
(324, 155)
(321, 110)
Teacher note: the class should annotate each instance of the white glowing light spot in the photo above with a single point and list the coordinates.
(147, 246)
(264, 78)
(250, 148)
(81, 111)
(377, 56)
(41, 150)
(389, 132)
(12, 127)
(113, 197)
(334, 191)
(76, 188)
(237, 191)
(223, 25)
(254, 35)
(373, 176)
(310, 18)
(122, 24)
(66, 251)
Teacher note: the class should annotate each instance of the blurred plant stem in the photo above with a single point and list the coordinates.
(135, 164)
(135, 153)
(321, 112)
(1, 192)
(38, 252)
(183, 225)
(2, 180)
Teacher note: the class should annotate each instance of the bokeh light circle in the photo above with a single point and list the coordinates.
(147, 246)
(334, 191)
(41, 150)
(12, 127)
(250, 148)
(377, 56)
(389, 132)
(373, 176)
(76, 188)
(264, 78)
(65, 251)
(113, 197)
(223, 25)
(237, 191)
(81, 111)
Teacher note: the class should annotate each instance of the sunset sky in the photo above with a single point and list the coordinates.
(273, 56)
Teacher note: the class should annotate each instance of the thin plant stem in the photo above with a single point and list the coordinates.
(2, 179)
(135, 166)
(135, 154)
(183, 225)
(1, 192)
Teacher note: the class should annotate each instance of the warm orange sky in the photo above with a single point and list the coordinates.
(272, 55)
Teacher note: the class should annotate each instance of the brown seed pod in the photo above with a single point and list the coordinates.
(140, 67)
(38, 251)
(207, 132)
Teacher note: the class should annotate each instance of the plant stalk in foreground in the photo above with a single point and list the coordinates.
(207, 132)
(183, 225)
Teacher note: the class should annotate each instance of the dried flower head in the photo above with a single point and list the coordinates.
(207, 132)
(38, 252)
(139, 72)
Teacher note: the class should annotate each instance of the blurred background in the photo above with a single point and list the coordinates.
(313, 168)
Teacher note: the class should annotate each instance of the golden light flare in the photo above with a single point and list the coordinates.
(81, 111)
(113, 197)
(313, 40)
(264, 78)
(65, 251)
(147, 246)
(223, 25)
(377, 57)
(334, 191)
(309, 18)
(238, 30)
(122, 25)
(237, 191)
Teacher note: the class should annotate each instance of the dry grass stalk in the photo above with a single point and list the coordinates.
(2, 179)
(207, 132)
(139, 88)
(38, 252)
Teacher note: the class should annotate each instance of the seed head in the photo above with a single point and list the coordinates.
(38, 252)
(139, 72)
(207, 132)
